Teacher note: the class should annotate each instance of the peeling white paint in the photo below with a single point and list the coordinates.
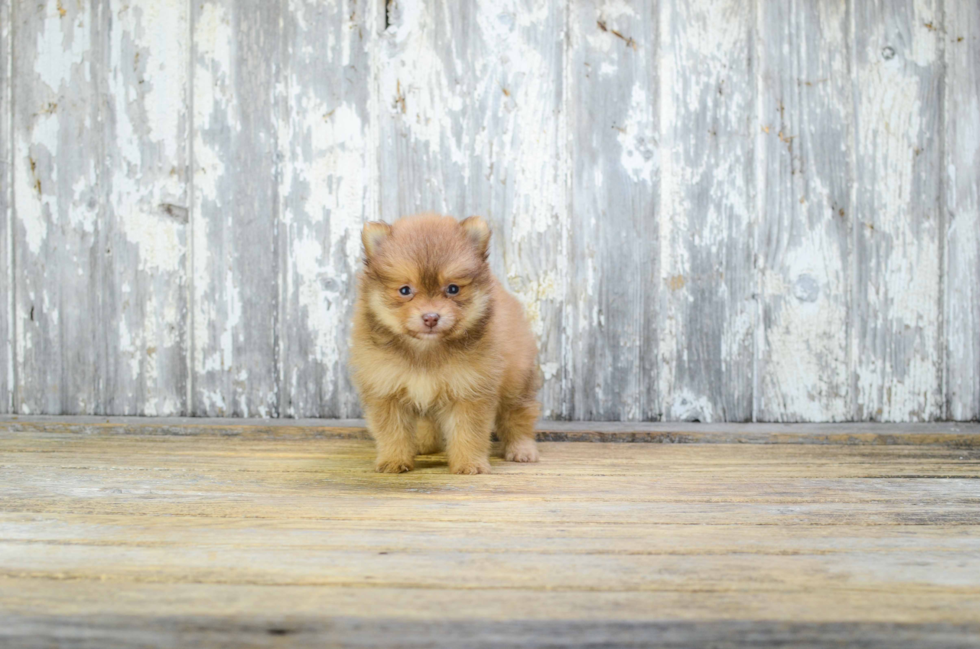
(160, 36)
(705, 210)
(32, 208)
(687, 406)
(327, 191)
(427, 101)
(550, 370)
(62, 46)
(897, 357)
(480, 126)
(962, 183)
(213, 39)
(36, 175)
(637, 138)
(534, 296)
(160, 249)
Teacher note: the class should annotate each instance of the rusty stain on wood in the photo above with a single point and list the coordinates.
(626, 39)
(676, 282)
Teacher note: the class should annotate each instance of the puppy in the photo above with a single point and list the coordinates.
(442, 354)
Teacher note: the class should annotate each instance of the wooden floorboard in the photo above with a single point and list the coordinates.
(110, 536)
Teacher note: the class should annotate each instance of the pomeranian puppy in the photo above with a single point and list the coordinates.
(442, 354)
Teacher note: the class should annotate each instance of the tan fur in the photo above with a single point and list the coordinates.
(449, 386)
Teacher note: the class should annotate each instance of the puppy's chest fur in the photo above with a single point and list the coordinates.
(425, 389)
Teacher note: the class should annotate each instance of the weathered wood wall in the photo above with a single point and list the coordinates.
(712, 210)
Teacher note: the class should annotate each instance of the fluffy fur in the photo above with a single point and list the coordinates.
(430, 383)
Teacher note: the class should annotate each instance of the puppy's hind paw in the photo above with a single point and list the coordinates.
(393, 466)
(522, 450)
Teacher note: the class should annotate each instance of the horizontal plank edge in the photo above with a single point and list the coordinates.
(953, 434)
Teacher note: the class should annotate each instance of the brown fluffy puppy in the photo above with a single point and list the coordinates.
(441, 351)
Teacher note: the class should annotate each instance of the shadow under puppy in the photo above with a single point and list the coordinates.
(442, 354)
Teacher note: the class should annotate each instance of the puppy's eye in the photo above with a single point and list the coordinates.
(452, 289)
(405, 290)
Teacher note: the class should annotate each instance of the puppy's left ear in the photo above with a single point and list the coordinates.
(478, 232)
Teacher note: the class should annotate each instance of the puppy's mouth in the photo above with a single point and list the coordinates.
(432, 335)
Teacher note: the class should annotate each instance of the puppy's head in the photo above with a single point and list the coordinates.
(426, 277)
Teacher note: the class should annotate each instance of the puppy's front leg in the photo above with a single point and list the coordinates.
(468, 427)
(391, 425)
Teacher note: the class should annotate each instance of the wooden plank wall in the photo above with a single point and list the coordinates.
(712, 211)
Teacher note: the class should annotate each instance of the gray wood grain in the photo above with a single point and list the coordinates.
(6, 213)
(145, 132)
(235, 210)
(470, 123)
(614, 159)
(328, 188)
(60, 251)
(962, 202)
(803, 239)
(896, 283)
(707, 278)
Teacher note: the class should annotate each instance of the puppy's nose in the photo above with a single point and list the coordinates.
(430, 319)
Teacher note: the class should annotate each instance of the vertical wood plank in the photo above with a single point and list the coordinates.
(962, 165)
(6, 213)
(805, 110)
(707, 279)
(145, 133)
(896, 349)
(614, 160)
(328, 189)
(58, 203)
(234, 209)
(470, 117)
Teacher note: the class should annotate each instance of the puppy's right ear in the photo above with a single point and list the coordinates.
(478, 232)
(372, 235)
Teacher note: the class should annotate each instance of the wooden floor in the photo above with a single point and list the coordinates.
(109, 537)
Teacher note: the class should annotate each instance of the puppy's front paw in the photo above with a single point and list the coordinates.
(522, 450)
(393, 465)
(471, 468)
